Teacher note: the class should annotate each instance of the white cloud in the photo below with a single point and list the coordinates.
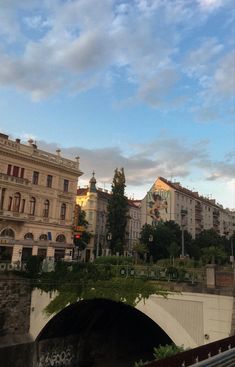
(165, 156)
(83, 41)
(199, 61)
(211, 4)
(224, 77)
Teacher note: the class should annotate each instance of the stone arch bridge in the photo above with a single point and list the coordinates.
(188, 318)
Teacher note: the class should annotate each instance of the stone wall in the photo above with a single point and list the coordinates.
(15, 301)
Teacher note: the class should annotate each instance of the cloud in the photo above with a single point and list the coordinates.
(199, 60)
(215, 170)
(71, 46)
(163, 157)
(223, 82)
(211, 4)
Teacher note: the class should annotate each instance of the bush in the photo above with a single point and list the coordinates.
(167, 350)
(33, 266)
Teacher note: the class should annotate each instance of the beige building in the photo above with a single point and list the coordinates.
(94, 201)
(37, 199)
(168, 200)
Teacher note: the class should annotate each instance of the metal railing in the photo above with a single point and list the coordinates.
(224, 359)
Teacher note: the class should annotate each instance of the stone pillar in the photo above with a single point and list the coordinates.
(34, 250)
(210, 276)
(17, 253)
(50, 251)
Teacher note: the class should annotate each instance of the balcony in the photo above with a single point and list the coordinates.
(14, 180)
(13, 216)
(198, 216)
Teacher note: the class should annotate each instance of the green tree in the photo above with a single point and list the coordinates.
(141, 250)
(85, 235)
(117, 212)
(208, 237)
(213, 255)
(34, 265)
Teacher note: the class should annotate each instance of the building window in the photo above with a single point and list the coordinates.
(46, 209)
(16, 205)
(43, 237)
(49, 180)
(10, 203)
(66, 185)
(63, 211)
(8, 232)
(35, 177)
(61, 238)
(28, 236)
(23, 206)
(22, 173)
(32, 205)
(16, 171)
(9, 169)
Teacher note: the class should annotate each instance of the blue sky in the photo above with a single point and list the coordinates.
(144, 84)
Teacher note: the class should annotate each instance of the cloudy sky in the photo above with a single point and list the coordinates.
(147, 85)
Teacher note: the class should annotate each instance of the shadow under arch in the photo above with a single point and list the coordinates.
(106, 333)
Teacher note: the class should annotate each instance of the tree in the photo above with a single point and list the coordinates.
(85, 236)
(117, 212)
(213, 255)
(208, 237)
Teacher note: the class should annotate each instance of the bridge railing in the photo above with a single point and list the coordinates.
(9, 266)
(159, 273)
(219, 353)
(149, 272)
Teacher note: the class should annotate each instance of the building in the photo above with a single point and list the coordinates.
(37, 199)
(168, 200)
(94, 201)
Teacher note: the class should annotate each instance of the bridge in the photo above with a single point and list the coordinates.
(90, 329)
(188, 318)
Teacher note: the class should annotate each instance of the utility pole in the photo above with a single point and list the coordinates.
(183, 223)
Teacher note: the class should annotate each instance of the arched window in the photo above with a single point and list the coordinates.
(9, 203)
(46, 209)
(28, 236)
(63, 211)
(43, 237)
(32, 205)
(61, 238)
(8, 232)
(16, 204)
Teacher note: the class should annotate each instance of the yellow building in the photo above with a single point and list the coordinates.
(37, 199)
(168, 200)
(94, 201)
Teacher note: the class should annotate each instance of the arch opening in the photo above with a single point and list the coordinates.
(101, 332)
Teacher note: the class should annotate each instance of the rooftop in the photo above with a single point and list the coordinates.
(31, 151)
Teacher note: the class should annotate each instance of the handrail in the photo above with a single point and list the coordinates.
(220, 360)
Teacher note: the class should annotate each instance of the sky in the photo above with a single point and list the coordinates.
(148, 85)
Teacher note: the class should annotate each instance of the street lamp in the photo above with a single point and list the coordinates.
(100, 224)
(109, 238)
(183, 224)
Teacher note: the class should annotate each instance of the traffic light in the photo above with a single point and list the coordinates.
(76, 239)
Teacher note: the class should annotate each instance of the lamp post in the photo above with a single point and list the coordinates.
(109, 238)
(232, 251)
(183, 223)
(100, 224)
(150, 241)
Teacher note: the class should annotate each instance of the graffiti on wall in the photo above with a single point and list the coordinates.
(58, 352)
(158, 202)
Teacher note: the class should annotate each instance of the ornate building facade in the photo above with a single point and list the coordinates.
(168, 200)
(94, 201)
(37, 199)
